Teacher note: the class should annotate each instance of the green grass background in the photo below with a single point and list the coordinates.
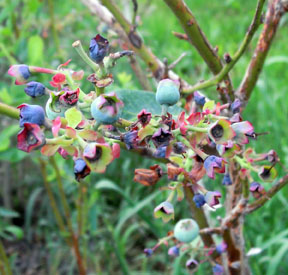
(116, 232)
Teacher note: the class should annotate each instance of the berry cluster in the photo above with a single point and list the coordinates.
(203, 140)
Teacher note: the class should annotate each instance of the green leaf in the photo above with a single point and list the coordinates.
(134, 210)
(135, 101)
(73, 117)
(5, 136)
(108, 184)
(209, 105)
(7, 213)
(35, 50)
(13, 155)
(30, 207)
(15, 230)
(274, 261)
(5, 96)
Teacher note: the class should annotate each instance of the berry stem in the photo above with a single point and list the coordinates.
(102, 70)
(9, 111)
(35, 69)
(59, 141)
(96, 126)
(197, 129)
(78, 47)
(164, 109)
(81, 142)
(99, 90)
(171, 196)
(244, 164)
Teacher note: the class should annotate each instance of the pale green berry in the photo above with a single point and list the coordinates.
(167, 92)
(186, 230)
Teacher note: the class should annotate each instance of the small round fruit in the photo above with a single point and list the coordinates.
(167, 92)
(106, 108)
(53, 114)
(186, 230)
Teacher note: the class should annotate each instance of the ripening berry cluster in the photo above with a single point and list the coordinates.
(203, 140)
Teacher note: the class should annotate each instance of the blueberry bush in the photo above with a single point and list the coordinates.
(179, 155)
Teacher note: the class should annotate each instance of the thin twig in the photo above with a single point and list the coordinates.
(52, 199)
(53, 27)
(211, 231)
(62, 193)
(276, 10)
(5, 267)
(270, 193)
(174, 63)
(181, 36)
(139, 73)
(75, 242)
(197, 38)
(135, 40)
(229, 66)
(109, 13)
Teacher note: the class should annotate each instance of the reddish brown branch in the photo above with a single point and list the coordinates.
(109, 13)
(276, 9)
(211, 231)
(235, 214)
(270, 193)
(197, 38)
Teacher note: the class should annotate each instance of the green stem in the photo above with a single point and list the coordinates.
(78, 47)
(164, 109)
(102, 70)
(97, 125)
(134, 38)
(59, 141)
(84, 105)
(85, 217)
(52, 200)
(9, 111)
(72, 84)
(75, 243)
(244, 164)
(197, 129)
(61, 192)
(4, 262)
(82, 142)
(243, 46)
(99, 90)
(53, 26)
(171, 196)
(123, 123)
(197, 38)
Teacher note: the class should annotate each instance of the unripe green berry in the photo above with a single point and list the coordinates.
(53, 114)
(167, 92)
(186, 230)
(106, 108)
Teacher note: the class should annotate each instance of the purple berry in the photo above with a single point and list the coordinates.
(35, 89)
(98, 48)
(31, 114)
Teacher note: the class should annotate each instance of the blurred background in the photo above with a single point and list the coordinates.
(119, 220)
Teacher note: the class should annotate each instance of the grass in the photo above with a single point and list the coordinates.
(121, 224)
